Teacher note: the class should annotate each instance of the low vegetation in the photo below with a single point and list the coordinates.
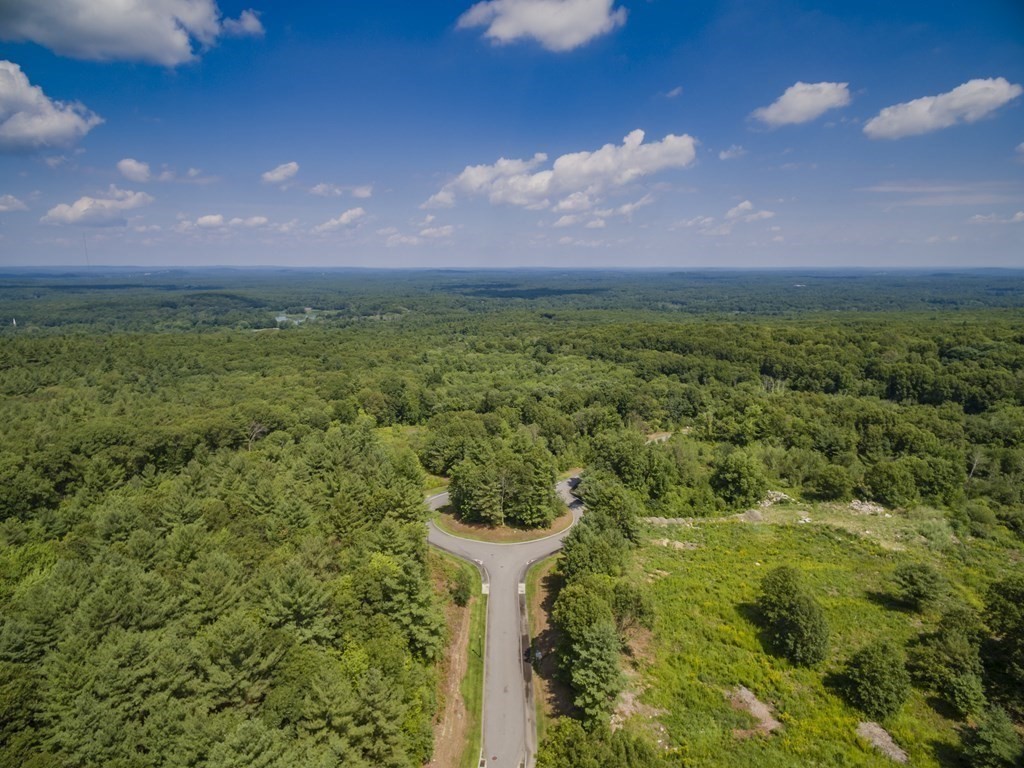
(213, 527)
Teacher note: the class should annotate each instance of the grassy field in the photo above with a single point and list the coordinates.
(706, 641)
(473, 683)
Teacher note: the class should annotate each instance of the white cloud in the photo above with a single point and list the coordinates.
(325, 190)
(436, 232)
(966, 103)
(134, 170)
(675, 93)
(743, 212)
(211, 221)
(629, 209)
(283, 172)
(577, 201)
(246, 25)
(558, 25)
(519, 182)
(163, 32)
(991, 218)
(746, 212)
(10, 203)
(596, 224)
(1020, 149)
(250, 223)
(739, 210)
(346, 219)
(30, 120)
(98, 211)
(396, 240)
(732, 152)
(567, 220)
(803, 102)
(938, 194)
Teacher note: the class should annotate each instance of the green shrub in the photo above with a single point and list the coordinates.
(739, 479)
(832, 483)
(918, 585)
(1004, 615)
(877, 680)
(795, 620)
(994, 743)
(892, 483)
(462, 589)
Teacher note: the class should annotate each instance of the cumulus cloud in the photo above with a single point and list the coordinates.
(399, 239)
(217, 221)
(558, 25)
(349, 217)
(675, 93)
(282, 173)
(803, 102)
(210, 221)
(437, 232)
(966, 103)
(732, 152)
(597, 219)
(250, 223)
(746, 212)
(140, 172)
(10, 203)
(98, 211)
(166, 32)
(246, 25)
(134, 170)
(991, 218)
(742, 212)
(577, 201)
(30, 120)
(575, 177)
(325, 190)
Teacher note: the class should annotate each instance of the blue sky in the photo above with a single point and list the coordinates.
(512, 133)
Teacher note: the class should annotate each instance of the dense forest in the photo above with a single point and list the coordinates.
(212, 483)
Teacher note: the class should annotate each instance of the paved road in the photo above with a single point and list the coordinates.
(509, 730)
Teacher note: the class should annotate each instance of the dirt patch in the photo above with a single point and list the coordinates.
(656, 575)
(449, 523)
(658, 437)
(451, 722)
(662, 521)
(687, 545)
(859, 507)
(882, 741)
(774, 497)
(629, 706)
(744, 700)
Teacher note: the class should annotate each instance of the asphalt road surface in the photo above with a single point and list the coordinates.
(509, 730)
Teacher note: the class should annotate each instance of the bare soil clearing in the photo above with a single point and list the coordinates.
(451, 723)
(743, 699)
(882, 741)
(449, 523)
